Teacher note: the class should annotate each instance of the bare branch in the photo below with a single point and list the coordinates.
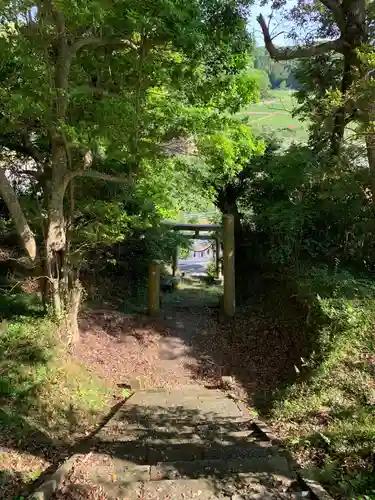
(100, 91)
(287, 53)
(94, 174)
(32, 150)
(99, 42)
(8, 194)
(277, 34)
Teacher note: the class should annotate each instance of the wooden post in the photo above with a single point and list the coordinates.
(153, 289)
(176, 255)
(217, 257)
(228, 264)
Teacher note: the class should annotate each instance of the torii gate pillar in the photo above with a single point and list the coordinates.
(153, 289)
(228, 265)
(217, 257)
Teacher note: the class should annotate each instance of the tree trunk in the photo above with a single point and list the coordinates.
(74, 302)
(64, 290)
(61, 295)
(14, 207)
(350, 17)
(370, 147)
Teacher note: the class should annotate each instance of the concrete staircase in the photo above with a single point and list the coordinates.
(185, 444)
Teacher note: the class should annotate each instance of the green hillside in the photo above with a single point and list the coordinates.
(274, 115)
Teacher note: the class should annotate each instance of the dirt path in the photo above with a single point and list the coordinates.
(188, 345)
(159, 353)
(181, 444)
(185, 353)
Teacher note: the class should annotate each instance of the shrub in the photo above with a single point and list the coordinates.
(328, 415)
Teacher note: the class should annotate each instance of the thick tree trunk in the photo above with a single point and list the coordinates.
(56, 229)
(61, 295)
(64, 291)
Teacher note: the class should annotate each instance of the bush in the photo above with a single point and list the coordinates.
(119, 272)
(47, 400)
(303, 209)
(327, 417)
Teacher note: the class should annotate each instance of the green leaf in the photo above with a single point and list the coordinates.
(125, 393)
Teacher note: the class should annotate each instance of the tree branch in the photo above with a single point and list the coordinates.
(21, 144)
(32, 150)
(99, 42)
(18, 147)
(60, 23)
(94, 174)
(334, 7)
(101, 91)
(287, 53)
(14, 207)
(277, 34)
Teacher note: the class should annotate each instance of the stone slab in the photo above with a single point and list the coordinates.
(218, 467)
(201, 489)
(200, 449)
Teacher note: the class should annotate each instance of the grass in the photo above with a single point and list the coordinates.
(327, 418)
(193, 293)
(274, 115)
(47, 400)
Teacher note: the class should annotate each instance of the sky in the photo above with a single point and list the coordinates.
(266, 10)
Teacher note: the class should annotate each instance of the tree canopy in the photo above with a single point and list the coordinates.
(94, 92)
(118, 114)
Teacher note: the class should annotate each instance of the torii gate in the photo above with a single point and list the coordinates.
(197, 229)
(227, 230)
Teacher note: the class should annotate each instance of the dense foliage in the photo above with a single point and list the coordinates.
(280, 74)
(119, 114)
(97, 94)
(306, 225)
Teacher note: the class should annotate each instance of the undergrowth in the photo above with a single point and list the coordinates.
(327, 416)
(47, 400)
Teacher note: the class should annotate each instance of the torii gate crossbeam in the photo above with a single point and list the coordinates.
(227, 230)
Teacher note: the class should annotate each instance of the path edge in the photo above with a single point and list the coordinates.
(53, 482)
(316, 489)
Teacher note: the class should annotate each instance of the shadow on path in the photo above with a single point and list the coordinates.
(199, 441)
(261, 347)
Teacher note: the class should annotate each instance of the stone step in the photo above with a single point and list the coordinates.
(182, 389)
(188, 452)
(181, 394)
(202, 489)
(175, 398)
(105, 467)
(221, 468)
(125, 429)
(122, 479)
(165, 412)
(177, 448)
